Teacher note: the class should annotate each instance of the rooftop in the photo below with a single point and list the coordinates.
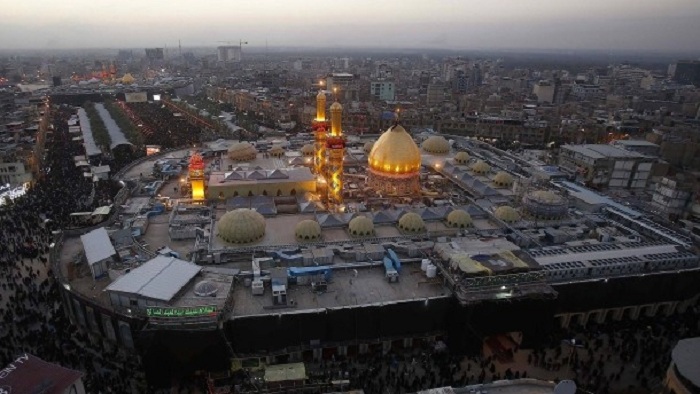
(349, 287)
(602, 151)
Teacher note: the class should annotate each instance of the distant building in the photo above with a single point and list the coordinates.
(544, 90)
(14, 173)
(435, 94)
(640, 146)
(383, 90)
(673, 195)
(604, 165)
(229, 53)
(155, 53)
(584, 92)
(687, 72)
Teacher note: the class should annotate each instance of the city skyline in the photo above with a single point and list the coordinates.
(597, 25)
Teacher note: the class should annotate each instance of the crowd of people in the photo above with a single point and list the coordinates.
(614, 357)
(33, 320)
(161, 127)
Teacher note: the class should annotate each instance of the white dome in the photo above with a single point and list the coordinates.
(241, 226)
(436, 144)
(361, 226)
(307, 150)
(242, 151)
(412, 223)
(307, 230)
(368, 146)
(277, 151)
(459, 218)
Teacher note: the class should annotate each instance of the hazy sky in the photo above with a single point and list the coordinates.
(659, 25)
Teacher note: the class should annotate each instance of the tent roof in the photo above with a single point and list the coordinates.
(159, 278)
(97, 245)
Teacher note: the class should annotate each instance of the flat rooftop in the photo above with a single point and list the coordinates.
(601, 151)
(346, 289)
(606, 251)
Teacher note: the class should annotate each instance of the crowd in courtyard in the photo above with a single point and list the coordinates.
(31, 315)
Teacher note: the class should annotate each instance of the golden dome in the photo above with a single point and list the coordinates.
(459, 218)
(412, 223)
(395, 152)
(436, 144)
(368, 146)
(480, 167)
(307, 230)
(507, 213)
(503, 179)
(307, 150)
(242, 151)
(361, 226)
(128, 78)
(462, 158)
(321, 95)
(336, 106)
(241, 226)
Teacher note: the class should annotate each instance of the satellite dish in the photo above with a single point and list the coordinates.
(565, 387)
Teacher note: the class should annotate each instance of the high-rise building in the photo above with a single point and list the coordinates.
(229, 53)
(383, 90)
(544, 90)
(435, 94)
(155, 53)
(687, 72)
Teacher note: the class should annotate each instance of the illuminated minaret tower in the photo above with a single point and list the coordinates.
(336, 152)
(320, 129)
(196, 175)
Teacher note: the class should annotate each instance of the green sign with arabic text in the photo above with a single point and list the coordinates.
(188, 311)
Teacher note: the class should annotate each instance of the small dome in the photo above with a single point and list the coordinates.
(307, 150)
(507, 213)
(480, 167)
(241, 226)
(412, 223)
(436, 144)
(307, 230)
(462, 158)
(368, 146)
(321, 95)
(361, 226)
(395, 152)
(459, 218)
(336, 106)
(503, 179)
(242, 151)
(277, 151)
(205, 289)
(128, 78)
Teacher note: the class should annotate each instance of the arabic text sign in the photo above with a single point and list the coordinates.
(191, 311)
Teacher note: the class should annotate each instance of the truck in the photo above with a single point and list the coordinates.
(390, 273)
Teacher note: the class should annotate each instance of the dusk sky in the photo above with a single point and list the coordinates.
(667, 25)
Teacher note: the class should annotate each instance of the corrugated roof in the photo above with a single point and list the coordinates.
(97, 245)
(160, 278)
